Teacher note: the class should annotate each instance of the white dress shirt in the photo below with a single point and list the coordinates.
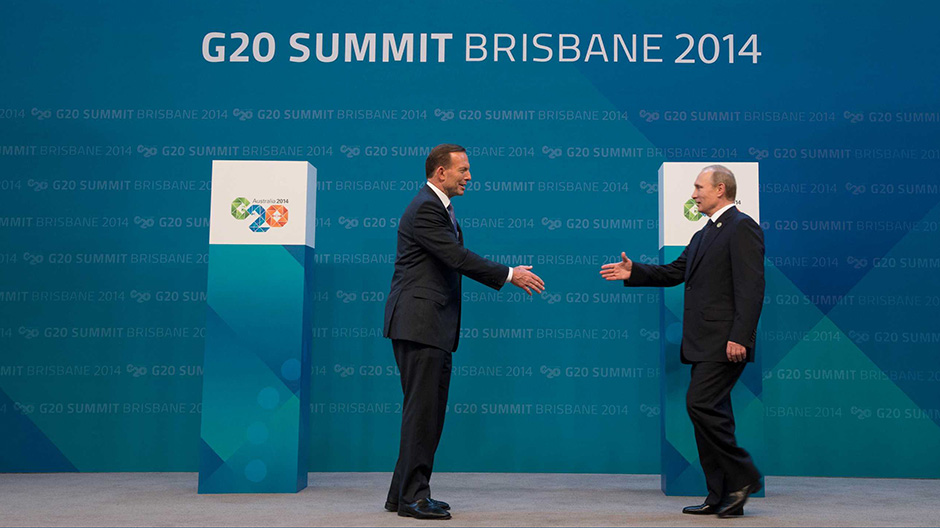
(720, 212)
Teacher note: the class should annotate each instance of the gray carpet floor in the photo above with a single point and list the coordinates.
(478, 499)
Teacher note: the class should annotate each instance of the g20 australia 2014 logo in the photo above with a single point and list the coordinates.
(274, 215)
(689, 210)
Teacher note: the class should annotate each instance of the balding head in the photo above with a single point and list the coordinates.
(714, 188)
(723, 175)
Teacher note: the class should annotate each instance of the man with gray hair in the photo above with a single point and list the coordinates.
(723, 271)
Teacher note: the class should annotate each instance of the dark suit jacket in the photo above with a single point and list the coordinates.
(724, 287)
(424, 303)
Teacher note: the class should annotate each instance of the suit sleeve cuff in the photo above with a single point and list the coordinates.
(637, 276)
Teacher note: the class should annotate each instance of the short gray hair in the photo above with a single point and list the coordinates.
(722, 174)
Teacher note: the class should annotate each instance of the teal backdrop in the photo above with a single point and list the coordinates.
(111, 113)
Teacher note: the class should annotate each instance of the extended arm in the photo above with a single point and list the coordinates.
(434, 232)
(655, 275)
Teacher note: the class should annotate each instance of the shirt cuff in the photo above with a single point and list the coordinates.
(509, 278)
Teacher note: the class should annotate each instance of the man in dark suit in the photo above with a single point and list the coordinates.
(422, 317)
(723, 271)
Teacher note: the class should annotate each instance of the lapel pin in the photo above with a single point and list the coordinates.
(718, 224)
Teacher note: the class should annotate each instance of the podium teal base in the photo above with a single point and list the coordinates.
(256, 385)
(681, 472)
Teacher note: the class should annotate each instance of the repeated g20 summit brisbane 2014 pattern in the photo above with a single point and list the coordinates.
(111, 116)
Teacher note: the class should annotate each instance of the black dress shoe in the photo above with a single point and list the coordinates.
(422, 509)
(709, 509)
(440, 504)
(733, 504)
(701, 509)
(393, 506)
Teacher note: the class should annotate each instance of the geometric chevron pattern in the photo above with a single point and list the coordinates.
(852, 376)
(681, 473)
(256, 393)
(20, 430)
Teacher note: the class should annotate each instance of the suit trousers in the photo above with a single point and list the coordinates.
(425, 384)
(727, 466)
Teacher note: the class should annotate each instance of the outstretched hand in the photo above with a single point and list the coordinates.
(618, 270)
(528, 281)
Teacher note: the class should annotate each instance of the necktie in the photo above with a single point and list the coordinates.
(453, 218)
(707, 235)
